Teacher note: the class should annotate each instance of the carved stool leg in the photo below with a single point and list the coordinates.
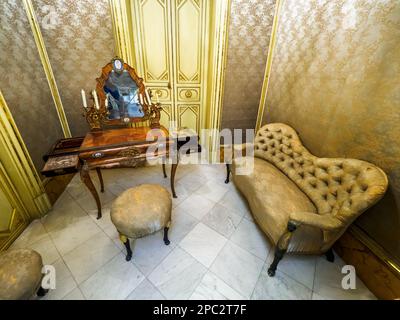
(127, 245)
(330, 256)
(42, 292)
(85, 177)
(100, 179)
(281, 248)
(166, 240)
(228, 172)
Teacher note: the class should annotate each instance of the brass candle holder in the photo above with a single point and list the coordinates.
(95, 117)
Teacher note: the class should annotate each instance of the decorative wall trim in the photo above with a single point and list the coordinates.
(47, 67)
(268, 66)
(216, 77)
(123, 30)
(15, 157)
(19, 217)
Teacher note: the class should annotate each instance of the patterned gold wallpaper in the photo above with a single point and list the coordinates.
(336, 79)
(79, 40)
(249, 36)
(23, 82)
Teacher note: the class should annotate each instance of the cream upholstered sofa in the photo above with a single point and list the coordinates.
(301, 202)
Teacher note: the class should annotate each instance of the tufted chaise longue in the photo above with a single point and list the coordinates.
(301, 202)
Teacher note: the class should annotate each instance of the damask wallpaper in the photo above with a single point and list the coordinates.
(336, 79)
(79, 40)
(249, 36)
(23, 82)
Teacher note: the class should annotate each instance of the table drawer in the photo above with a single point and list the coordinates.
(60, 165)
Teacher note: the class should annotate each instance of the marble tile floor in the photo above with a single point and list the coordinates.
(216, 250)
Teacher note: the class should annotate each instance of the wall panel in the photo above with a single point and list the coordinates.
(79, 41)
(23, 82)
(249, 37)
(336, 79)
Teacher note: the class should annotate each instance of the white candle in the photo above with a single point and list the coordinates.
(106, 102)
(148, 96)
(84, 99)
(96, 101)
(141, 98)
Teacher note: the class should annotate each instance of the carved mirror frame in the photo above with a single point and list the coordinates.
(98, 118)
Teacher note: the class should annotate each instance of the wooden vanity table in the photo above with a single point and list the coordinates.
(123, 148)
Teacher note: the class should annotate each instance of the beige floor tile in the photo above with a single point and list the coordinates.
(237, 268)
(46, 248)
(197, 206)
(182, 223)
(149, 251)
(298, 267)
(223, 220)
(32, 234)
(213, 288)
(87, 258)
(249, 237)
(178, 275)
(75, 294)
(74, 234)
(203, 243)
(145, 291)
(279, 287)
(113, 281)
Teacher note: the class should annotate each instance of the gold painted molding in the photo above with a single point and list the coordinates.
(216, 75)
(37, 34)
(16, 159)
(18, 219)
(122, 29)
(264, 92)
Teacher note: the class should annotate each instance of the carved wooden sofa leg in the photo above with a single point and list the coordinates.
(281, 248)
(330, 256)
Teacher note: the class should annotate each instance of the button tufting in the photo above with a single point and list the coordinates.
(338, 180)
(349, 190)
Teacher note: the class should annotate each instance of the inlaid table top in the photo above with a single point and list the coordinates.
(106, 138)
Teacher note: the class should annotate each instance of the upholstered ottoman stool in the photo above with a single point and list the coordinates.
(20, 274)
(141, 211)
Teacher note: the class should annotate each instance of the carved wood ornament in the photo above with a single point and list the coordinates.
(97, 119)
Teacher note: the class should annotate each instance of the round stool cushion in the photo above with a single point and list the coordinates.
(20, 274)
(142, 210)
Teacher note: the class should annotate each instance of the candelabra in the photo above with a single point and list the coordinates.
(94, 115)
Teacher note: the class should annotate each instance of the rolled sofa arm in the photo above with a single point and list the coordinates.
(325, 222)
